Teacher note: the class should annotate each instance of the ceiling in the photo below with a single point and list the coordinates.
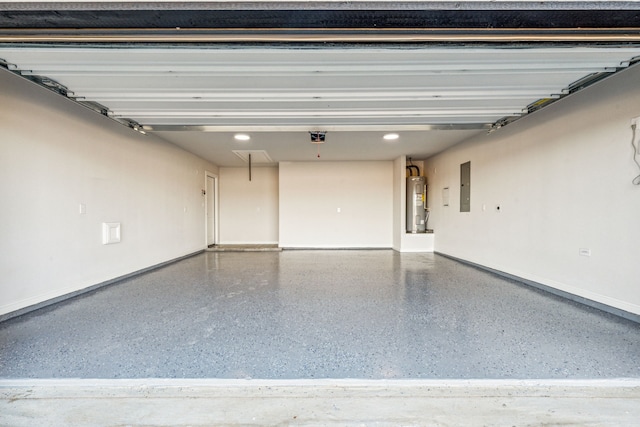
(199, 94)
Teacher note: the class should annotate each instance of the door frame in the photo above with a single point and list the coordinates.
(216, 208)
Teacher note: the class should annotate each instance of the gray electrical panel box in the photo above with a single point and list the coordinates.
(465, 187)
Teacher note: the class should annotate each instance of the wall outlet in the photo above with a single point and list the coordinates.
(584, 252)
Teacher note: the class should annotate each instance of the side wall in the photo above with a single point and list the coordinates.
(336, 204)
(249, 209)
(55, 156)
(562, 178)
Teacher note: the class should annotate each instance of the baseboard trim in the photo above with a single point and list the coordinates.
(339, 248)
(61, 298)
(558, 292)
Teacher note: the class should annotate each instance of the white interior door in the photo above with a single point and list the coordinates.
(211, 208)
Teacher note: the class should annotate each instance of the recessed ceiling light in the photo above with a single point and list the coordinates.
(242, 137)
(391, 136)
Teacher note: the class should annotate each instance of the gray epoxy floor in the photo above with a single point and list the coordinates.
(319, 314)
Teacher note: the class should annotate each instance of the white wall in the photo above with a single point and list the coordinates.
(55, 155)
(399, 202)
(562, 177)
(249, 209)
(312, 192)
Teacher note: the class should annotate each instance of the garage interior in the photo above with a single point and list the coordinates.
(139, 138)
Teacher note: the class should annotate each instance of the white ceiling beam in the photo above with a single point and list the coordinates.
(323, 123)
(510, 103)
(276, 35)
(559, 80)
(319, 105)
(468, 93)
(321, 73)
(327, 127)
(277, 114)
(105, 70)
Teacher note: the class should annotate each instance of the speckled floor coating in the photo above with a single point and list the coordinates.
(319, 314)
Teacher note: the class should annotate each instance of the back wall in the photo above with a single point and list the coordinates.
(336, 204)
(249, 209)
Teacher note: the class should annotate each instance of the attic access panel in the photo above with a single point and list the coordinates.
(257, 156)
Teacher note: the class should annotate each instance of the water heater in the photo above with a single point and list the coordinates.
(416, 204)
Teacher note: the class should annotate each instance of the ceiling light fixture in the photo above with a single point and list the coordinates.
(241, 137)
(391, 136)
